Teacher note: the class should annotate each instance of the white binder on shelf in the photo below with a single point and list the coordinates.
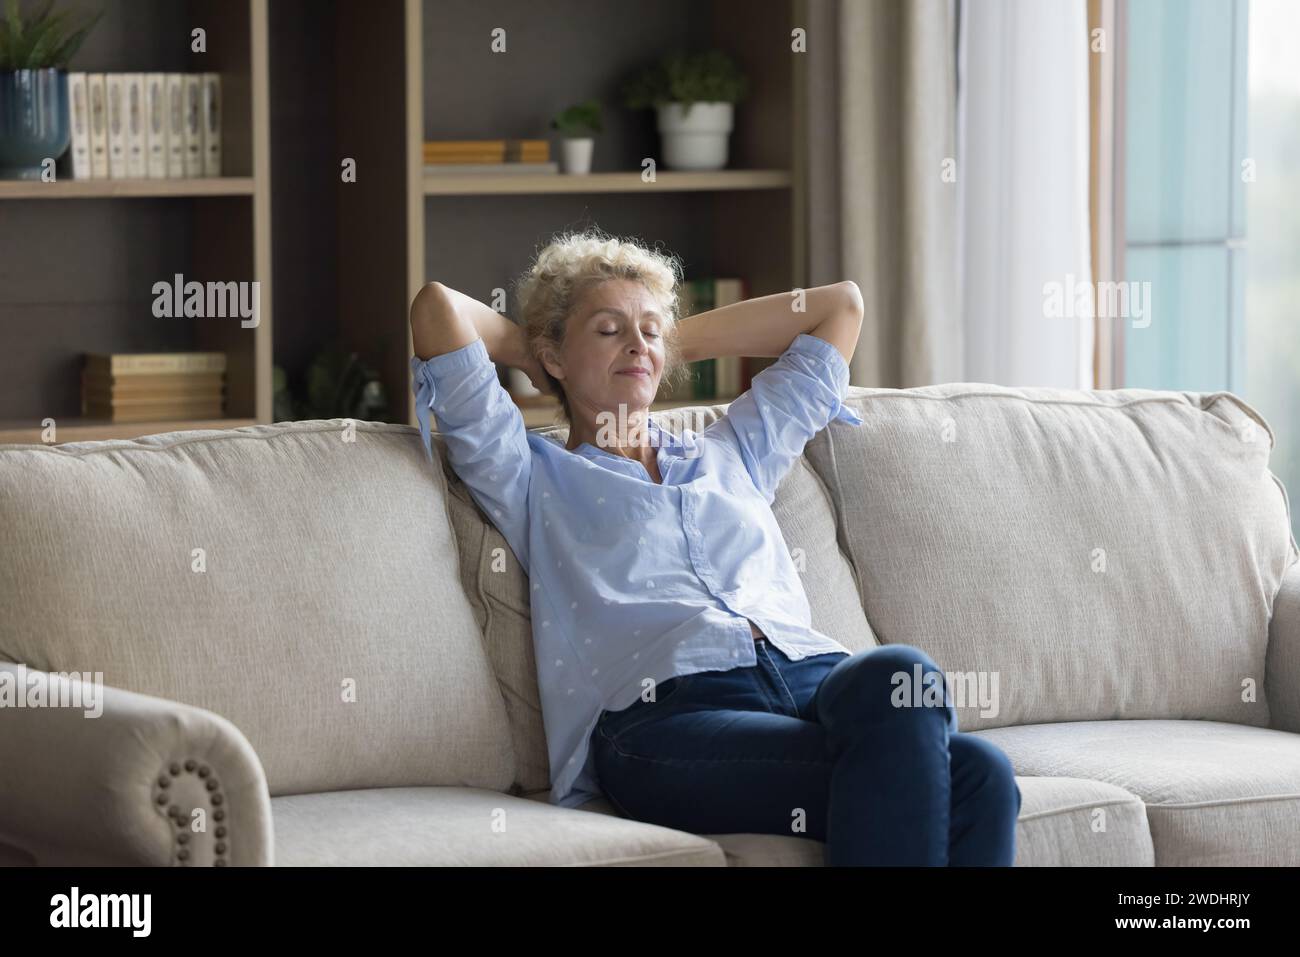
(116, 91)
(98, 99)
(135, 157)
(211, 103)
(155, 125)
(193, 125)
(79, 114)
(174, 86)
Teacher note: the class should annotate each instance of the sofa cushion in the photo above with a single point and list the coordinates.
(1064, 822)
(448, 826)
(743, 849)
(330, 565)
(498, 588)
(1216, 794)
(1076, 822)
(1110, 554)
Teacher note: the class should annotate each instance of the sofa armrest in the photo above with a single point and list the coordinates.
(118, 788)
(1282, 664)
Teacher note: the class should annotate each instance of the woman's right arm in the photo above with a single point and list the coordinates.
(482, 430)
(443, 319)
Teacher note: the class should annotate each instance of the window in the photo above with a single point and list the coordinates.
(1272, 277)
(1211, 205)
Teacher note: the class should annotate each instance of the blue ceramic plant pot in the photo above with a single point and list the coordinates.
(33, 120)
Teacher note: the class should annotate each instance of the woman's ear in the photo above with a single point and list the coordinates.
(547, 357)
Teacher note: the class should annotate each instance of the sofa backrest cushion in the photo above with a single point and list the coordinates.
(324, 615)
(1108, 554)
(498, 588)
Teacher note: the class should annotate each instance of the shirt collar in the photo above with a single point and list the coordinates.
(665, 438)
(661, 436)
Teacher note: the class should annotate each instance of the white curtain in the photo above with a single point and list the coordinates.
(1022, 179)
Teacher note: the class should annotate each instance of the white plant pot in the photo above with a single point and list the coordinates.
(575, 154)
(696, 139)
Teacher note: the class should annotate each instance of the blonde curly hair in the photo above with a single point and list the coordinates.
(575, 262)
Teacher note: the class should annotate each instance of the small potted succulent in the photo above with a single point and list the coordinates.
(694, 94)
(34, 54)
(577, 124)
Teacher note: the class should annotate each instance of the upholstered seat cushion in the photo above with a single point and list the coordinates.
(455, 826)
(1064, 822)
(1216, 794)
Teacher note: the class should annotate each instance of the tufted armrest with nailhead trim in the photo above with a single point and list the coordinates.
(146, 781)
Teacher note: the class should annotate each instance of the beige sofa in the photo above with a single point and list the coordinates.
(311, 640)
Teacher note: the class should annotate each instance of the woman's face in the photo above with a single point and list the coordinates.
(616, 326)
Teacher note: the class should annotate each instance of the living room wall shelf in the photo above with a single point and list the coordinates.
(425, 70)
(78, 277)
(491, 184)
(86, 430)
(367, 84)
(126, 188)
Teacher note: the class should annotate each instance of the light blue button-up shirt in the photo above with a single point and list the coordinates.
(633, 582)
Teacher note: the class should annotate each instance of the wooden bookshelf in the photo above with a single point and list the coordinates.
(371, 82)
(432, 75)
(77, 276)
(127, 188)
(488, 184)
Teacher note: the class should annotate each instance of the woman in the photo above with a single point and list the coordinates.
(678, 670)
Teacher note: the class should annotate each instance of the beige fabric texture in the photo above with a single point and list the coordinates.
(79, 789)
(977, 518)
(461, 826)
(498, 589)
(469, 827)
(1058, 827)
(327, 561)
(1216, 794)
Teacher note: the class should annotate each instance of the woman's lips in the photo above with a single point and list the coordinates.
(640, 372)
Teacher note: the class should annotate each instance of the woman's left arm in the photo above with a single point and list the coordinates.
(766, 325)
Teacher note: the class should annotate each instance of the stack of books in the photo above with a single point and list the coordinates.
(145, 125)
(487, 156)
(152, 387)
(723, 378)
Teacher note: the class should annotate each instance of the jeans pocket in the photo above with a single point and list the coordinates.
(615, 724)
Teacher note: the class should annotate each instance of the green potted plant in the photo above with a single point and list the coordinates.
(694, 95)
(577, 124)
(34, 54)
(338, 384)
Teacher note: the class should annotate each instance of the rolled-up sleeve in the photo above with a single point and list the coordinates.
(787, 404)
(484, 433)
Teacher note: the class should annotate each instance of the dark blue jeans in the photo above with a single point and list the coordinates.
(816, 748)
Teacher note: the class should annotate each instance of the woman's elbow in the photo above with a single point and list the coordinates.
(853, 304)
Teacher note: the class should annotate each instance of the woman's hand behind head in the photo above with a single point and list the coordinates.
(537, 375)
